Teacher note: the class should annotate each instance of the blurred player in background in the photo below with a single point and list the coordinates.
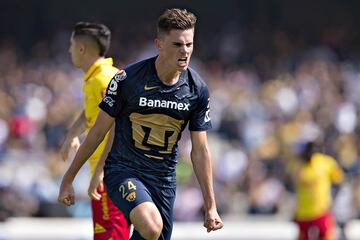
(151, 102)
(314, 180)
(88, 45)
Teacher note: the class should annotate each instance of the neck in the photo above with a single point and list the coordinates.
(89, 61)
(167, 75)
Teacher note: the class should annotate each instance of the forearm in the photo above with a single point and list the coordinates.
(78, 127)
(105, 153)
(202, 165)
(90, 144)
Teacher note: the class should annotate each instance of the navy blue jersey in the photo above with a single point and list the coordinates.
(150, 117)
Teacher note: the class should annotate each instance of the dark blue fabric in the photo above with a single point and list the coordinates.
(151, 116)
(117, 185)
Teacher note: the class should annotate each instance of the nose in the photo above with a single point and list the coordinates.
(184, 49)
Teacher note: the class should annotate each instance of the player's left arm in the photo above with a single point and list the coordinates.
(201, 159)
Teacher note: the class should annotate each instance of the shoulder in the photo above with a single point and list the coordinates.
(129, 75)
(133, 72)
(142, 66)
(109, 71)
(195, 77)
(324, 159)
(106, 74)
(197, 81)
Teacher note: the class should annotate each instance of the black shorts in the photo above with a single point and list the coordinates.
(126, 191)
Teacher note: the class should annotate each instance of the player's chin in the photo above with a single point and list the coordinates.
(183, 67)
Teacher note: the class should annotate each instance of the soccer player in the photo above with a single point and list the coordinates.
(151, 102)
(88, 45)
(313, 192)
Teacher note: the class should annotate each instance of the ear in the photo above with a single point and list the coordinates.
(82, 48)
(158, 43)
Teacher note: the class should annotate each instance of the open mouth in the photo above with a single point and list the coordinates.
(182, 60)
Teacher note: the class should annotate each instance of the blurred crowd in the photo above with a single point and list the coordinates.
(263, 109)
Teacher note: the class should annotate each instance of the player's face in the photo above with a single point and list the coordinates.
(75, 51)
(176, 48)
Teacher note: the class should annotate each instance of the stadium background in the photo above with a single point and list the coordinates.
(280, 73)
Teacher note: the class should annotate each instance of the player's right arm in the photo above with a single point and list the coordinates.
(202, 165)
(71, 138)
(93, 139)
(97, 179)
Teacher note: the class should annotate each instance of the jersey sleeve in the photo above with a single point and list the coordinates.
(336, 173)
(200, 119)
(113, 100)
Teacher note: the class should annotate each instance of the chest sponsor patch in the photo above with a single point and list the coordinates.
(145, 102)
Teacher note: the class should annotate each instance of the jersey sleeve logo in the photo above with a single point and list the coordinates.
(207, 116)
(113, 85)
(120, 75)
(109, 101)
(207, 113)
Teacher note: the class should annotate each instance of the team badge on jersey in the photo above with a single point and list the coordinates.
(120, 75)
(131, 197)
